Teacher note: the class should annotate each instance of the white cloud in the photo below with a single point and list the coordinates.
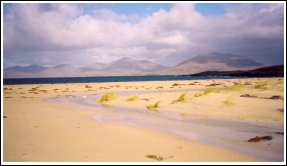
(55, 33)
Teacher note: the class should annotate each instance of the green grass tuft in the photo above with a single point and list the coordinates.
(159, 87)
(206, 92)
(181, 98)
(236, 87)
(261, 85)
(210, 90)
(153, 106)
(277, 85)
(229, 102)
(198, 94)
(133, 98)
(107, 97)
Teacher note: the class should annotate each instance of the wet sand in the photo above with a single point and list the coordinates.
(66, 122)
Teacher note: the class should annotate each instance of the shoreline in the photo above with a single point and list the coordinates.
(193, 128)
(48, 80)
(28, 106)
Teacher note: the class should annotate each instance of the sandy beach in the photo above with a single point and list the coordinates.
(185, 121)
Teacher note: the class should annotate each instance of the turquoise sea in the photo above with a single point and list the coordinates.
(59, 80)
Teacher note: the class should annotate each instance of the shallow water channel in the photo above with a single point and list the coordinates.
(228, 134)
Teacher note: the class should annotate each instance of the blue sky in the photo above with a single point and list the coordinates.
(145, 8)
(148, 8)
(65, 33)
(211, 8)
(129, 8)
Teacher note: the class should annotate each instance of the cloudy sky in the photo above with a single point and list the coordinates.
(80, 34)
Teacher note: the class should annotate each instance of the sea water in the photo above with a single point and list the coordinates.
(60, 80)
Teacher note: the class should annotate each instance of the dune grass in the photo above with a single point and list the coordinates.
(247, 83)
(133, 98)
(261, 85)
(229, 101)
(153, 106)
(211, 90)
(159, 87)
(107, 97)
(181, 98)
(198, 94)
(277, 85)
(206, 92)
(237, 87)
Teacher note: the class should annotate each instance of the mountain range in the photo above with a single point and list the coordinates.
(128, 66)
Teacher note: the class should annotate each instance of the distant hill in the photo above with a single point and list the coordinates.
(128, 66)
(131, 65)
(230, 60)
(269, 71)
(93, 66)
(27, 69)
(62, 70)
(213, 61)
(62, 66)
(124, 66)
(65, 70)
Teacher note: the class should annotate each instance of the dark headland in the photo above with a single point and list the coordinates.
(269, 71)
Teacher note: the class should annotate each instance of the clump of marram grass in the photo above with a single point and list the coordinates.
(206, 92)
(229, 102)
(107, 97)
(198, 94)
(133, 98)
(210, 90)
(277, 85)
(236, 87)
(280, 85)
(261, 85)
(247, 83)
(181, 98)
(153, 106)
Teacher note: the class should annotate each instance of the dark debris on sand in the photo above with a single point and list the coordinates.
(275, 97)
(155, 157)
(279, 133)
(248, 95)
(258, 138)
